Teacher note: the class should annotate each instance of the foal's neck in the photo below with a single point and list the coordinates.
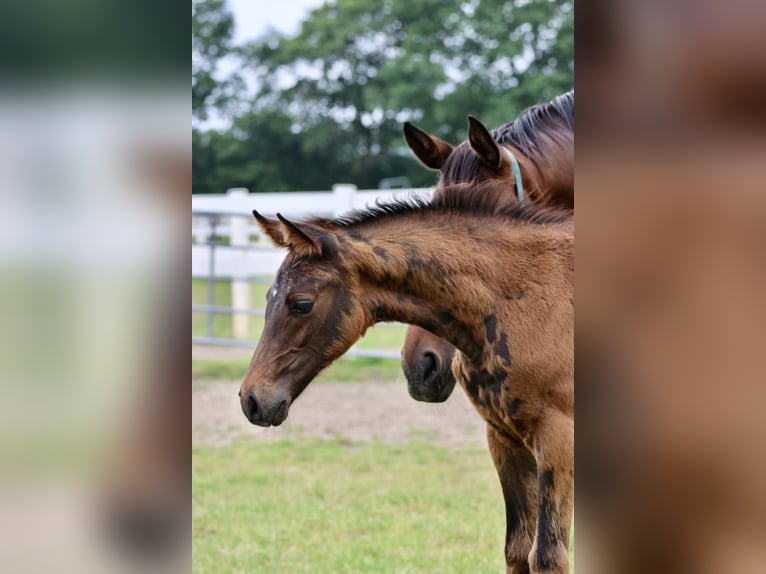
(448, 275)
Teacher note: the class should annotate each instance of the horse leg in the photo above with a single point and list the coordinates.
(517, 471)
(554, 452)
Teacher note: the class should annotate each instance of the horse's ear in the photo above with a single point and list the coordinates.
(306, 239)
(483, 144)
(430, 150)
(272, 228)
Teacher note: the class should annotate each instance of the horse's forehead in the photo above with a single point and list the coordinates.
(298, 272)
(462, 165)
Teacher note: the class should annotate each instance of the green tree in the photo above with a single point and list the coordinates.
(331, 99)
(212, 33)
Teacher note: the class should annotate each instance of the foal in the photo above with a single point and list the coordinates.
(541, 140)
(504, 300)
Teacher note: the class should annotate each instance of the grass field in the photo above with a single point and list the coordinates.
(379, 337)
(336, 507)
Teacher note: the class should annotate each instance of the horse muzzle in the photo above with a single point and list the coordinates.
(262, 412)
(428, 380)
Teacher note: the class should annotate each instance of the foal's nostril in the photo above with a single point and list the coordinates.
(429, 366)
(252, 406)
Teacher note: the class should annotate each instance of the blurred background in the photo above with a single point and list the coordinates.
(670, 281)
(95, 163)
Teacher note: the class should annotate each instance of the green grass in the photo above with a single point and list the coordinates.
(349, 370)
(379, 337)
(324, 507)
(334, 507)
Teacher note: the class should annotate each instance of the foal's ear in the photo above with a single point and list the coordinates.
(430, 150)
(272, 228)
(306, 239)
(483, 144)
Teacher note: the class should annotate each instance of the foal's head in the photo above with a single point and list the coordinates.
(312, 318)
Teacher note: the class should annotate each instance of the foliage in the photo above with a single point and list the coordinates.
(212, 32)
(330, 101)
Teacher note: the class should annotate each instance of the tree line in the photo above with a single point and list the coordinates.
(326, 104)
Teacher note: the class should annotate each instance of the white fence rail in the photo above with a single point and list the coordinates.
(228, 246)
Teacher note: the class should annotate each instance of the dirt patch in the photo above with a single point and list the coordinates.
(356, 412)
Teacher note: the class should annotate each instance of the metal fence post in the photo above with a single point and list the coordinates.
(241, 290)
(211, 276)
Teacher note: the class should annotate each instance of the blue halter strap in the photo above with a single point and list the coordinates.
(516, 177)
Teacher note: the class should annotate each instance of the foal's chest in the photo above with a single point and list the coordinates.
(492, 395)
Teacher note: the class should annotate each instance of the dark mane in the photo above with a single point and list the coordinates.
(553, 120)
(488, 199)
(491, 199)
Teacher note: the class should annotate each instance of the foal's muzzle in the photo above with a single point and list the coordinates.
(264, 413)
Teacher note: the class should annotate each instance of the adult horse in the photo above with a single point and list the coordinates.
(535, 154)
(540, 140)
(504, 300)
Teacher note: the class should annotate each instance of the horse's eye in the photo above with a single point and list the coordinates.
(301, 306)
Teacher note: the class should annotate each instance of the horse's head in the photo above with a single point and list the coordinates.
(546, 131)
(426, 358)
(312, 318)
(427, 365)
(479, 158)
(540, 141)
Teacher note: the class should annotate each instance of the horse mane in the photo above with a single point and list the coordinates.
(487, 199)
(555, 118)
(532, 129)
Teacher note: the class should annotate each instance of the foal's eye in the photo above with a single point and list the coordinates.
(301, 306)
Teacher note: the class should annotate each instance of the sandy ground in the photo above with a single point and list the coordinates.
(352, 411)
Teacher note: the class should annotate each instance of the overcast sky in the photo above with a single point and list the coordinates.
(253, 17)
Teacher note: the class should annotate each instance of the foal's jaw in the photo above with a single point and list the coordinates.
(266, 398)
(274, 381)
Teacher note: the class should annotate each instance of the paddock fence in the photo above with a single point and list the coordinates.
(230, 256)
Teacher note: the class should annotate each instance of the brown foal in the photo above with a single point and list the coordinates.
(505, 301)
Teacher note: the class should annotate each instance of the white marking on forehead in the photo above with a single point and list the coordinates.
(274, 289)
